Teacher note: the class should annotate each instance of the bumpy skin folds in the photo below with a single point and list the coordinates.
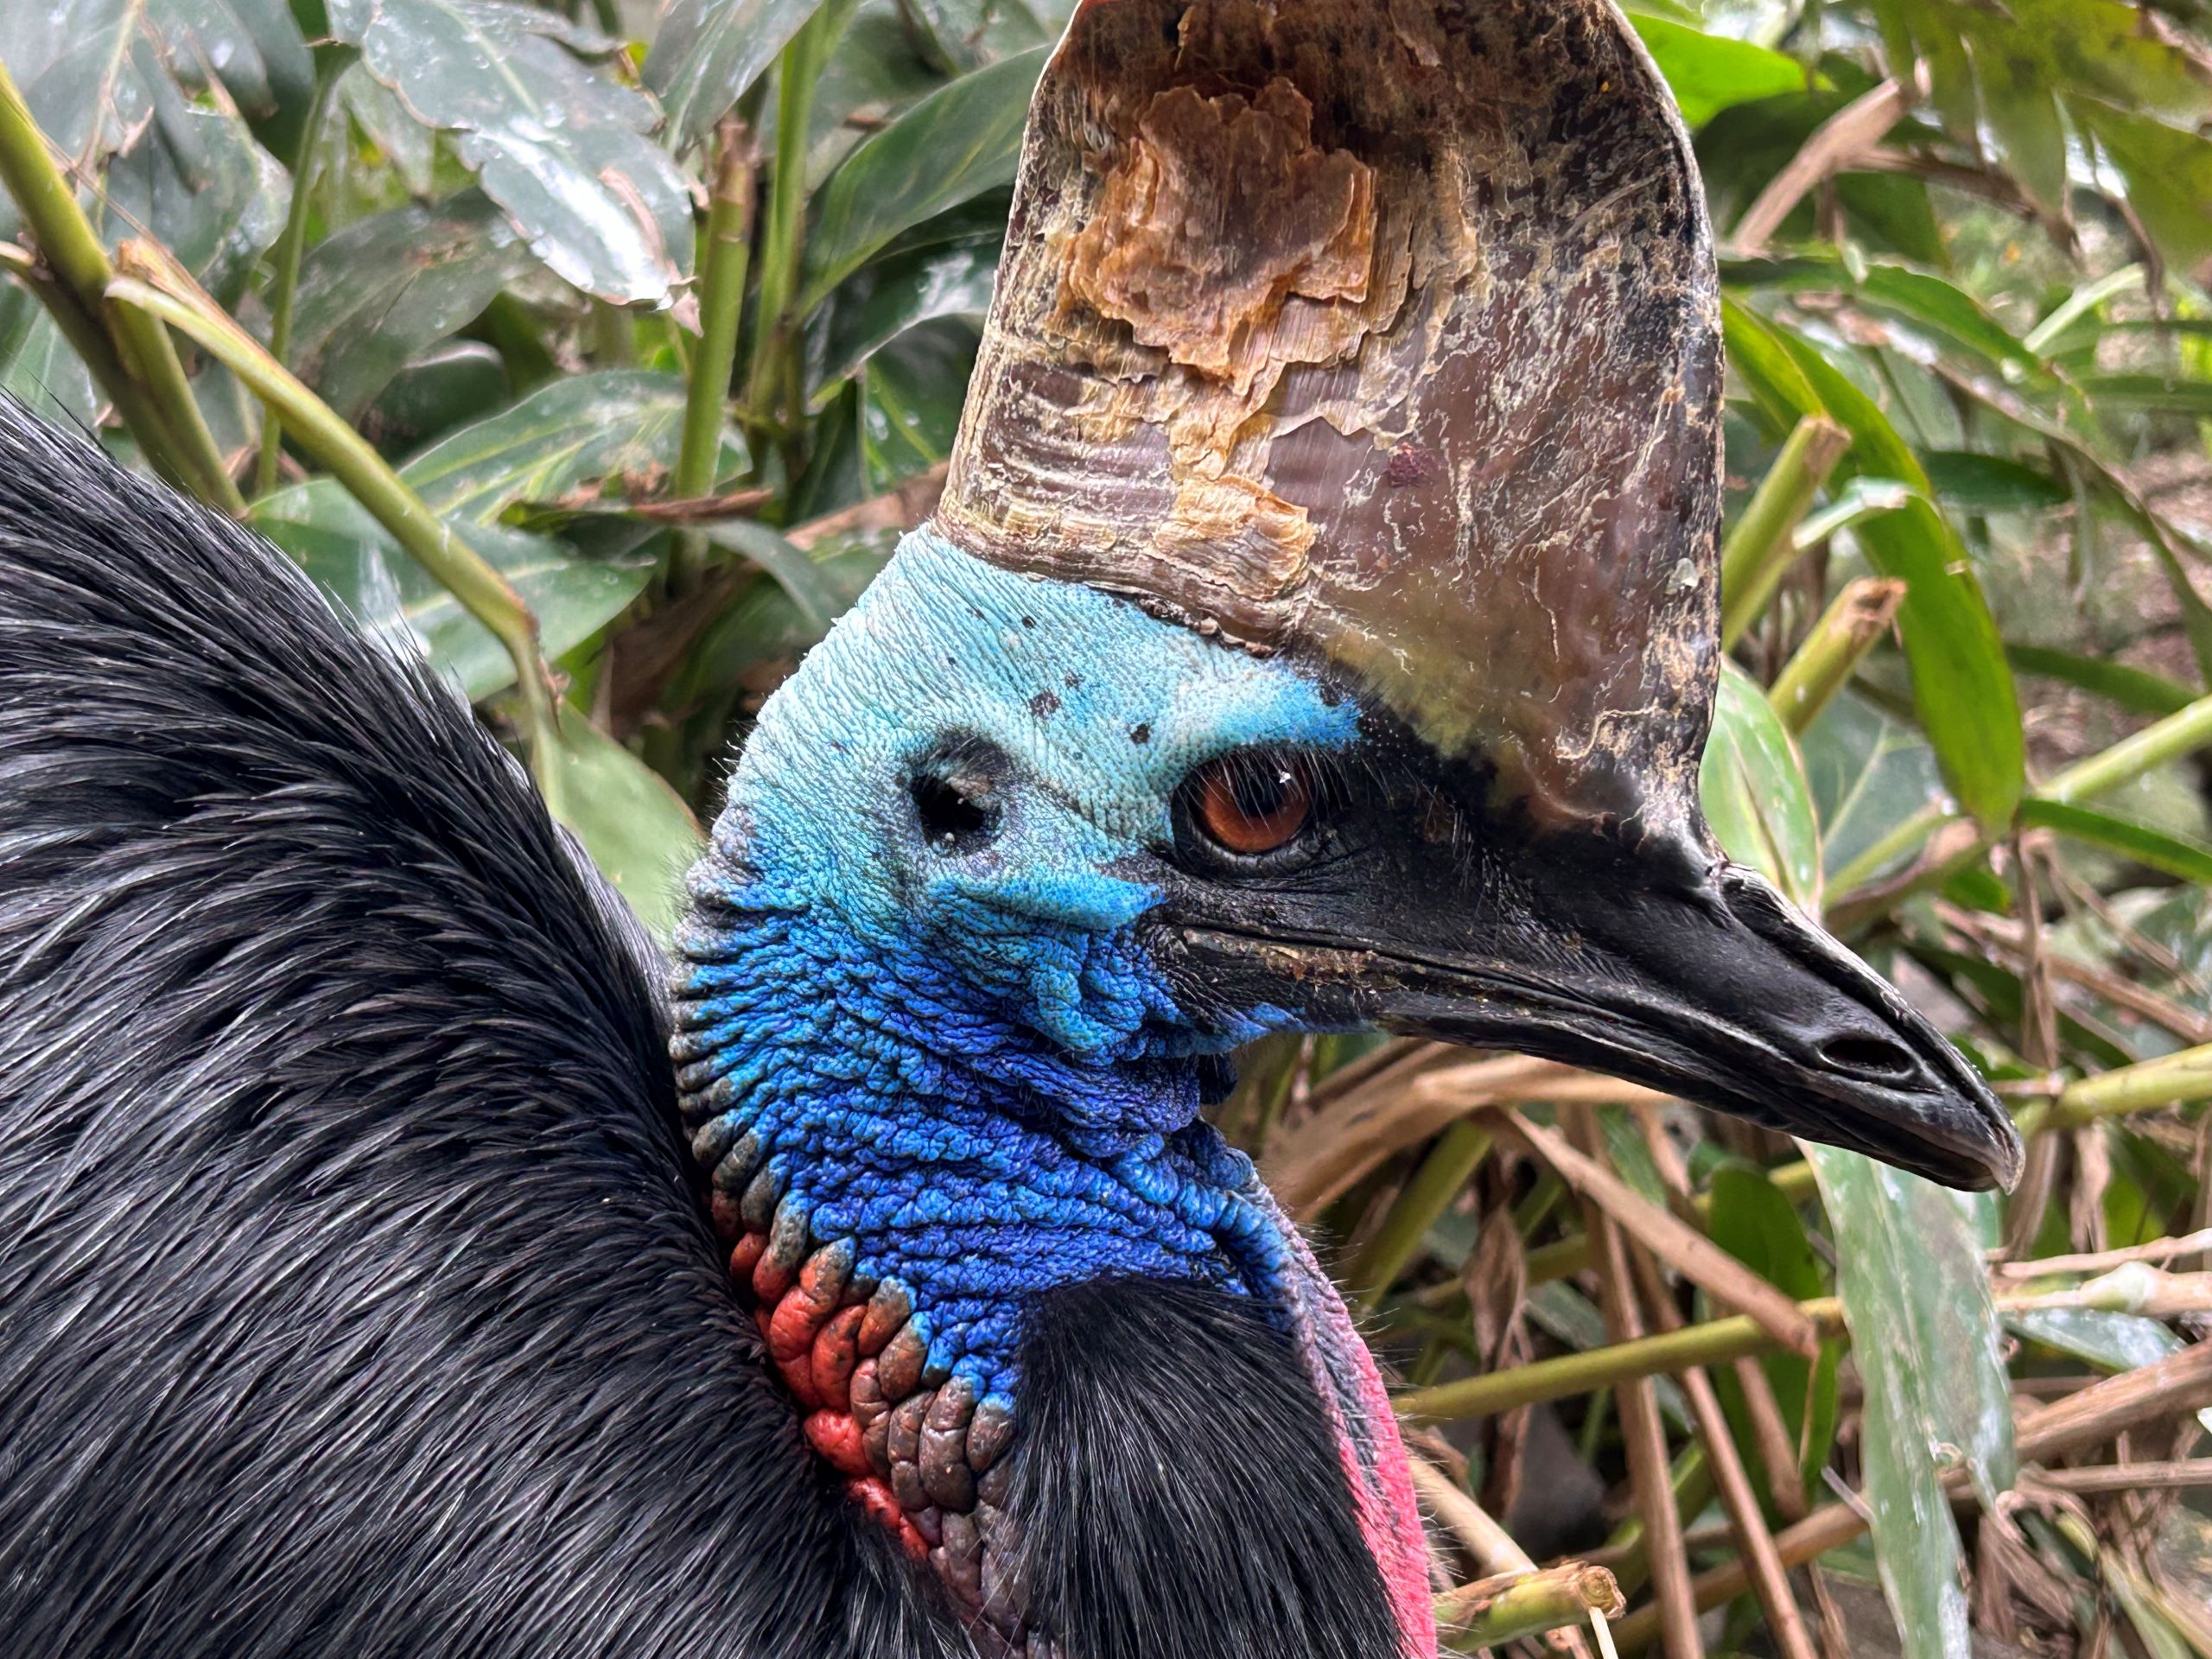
(936, 1081)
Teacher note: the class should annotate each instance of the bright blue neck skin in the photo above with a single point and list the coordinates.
(964, 1061)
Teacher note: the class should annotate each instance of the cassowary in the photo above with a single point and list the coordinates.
(1316, 632)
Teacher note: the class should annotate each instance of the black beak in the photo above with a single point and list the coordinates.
(1664, 965)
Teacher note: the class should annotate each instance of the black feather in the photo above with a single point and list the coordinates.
(1178, 1493)
(354, 1298)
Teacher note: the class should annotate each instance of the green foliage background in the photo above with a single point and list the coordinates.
(612, 348)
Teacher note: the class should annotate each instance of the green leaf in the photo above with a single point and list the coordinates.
(636, 829)
(102, 76)
(1868, 774)
(707, 53)
(1926, 1340)
(2016, 97)
(563, 440)
(378, 293)
(2177, 855)
(1754, 792)
(216, 219)
(1755, 1222)
(2169, 175)
(2160, 394)
(815, 597)
(1965, 481)
(900, 292)
(561, 148)
(2109, 1340)
(1962, 688)
(453, 383)
(1708, 73)
(36, 364)
(2136, 690)
(393, 598)
(911, 394)
(960, 141)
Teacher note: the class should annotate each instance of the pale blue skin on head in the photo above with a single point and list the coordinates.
(965, 1061)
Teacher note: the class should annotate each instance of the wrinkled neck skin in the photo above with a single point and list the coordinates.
(935, 1081)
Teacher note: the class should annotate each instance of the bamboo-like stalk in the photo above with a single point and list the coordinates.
(1760, 548)
(1859, 615)
(782, 244)
(1492, 1612)
(291, 251)
(1768, 1580)
(725, 254)
(1643, 1434)
(1438, 1180)
(155, 287)
(1710, 1342)
(2181, 733)
(140, 372)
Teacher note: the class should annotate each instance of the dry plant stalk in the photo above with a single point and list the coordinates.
(1515, 1604)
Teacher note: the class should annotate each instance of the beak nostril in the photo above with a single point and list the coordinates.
(1873, 1059)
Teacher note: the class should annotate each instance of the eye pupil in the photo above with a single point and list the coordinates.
(1251, 806)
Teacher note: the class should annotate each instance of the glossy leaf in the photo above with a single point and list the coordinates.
(1926, 1341)
(2169, 173)
(562, 148)
(1868, 774)
(376, 293)
(348, 552)
(2177, 855)
(217, 215)
(910, 400)
(36, 366)
(706, 52)
(955, 144)
(902, 291)
(1708, 73)
(559, 444)
(1754, 792)
(636, 829)
(1962, 688)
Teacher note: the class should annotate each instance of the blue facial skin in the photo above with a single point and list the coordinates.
(962, 1059)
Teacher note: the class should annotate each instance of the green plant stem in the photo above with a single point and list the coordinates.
(2170, 1080)
(1438, 1180)
(148, 387)
(773, 371)
(724, 256)
(317, 429)
(1858, 616)
(2179, 734)
(1713, 1342)
(291, 250)
(1761, 546)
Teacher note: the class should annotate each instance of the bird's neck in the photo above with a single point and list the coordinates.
(901, 1169)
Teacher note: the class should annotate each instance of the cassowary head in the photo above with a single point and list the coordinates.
(1316, 633)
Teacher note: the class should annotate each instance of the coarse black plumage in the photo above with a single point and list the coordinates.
(1156, 1409)
(355, 1290)
(353, 1294)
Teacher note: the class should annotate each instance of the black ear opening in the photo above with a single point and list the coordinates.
(1178, 1492)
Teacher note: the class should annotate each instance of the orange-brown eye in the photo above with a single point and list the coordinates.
(1252, 804)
